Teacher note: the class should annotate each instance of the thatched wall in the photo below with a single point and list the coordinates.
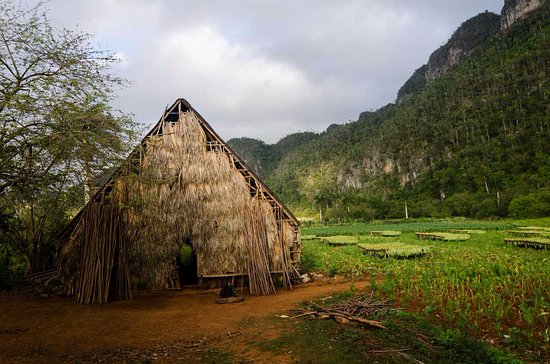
(183, 192)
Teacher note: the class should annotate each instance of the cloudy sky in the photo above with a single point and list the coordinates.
(265, 69)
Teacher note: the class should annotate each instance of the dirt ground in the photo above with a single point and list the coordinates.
(171, 326)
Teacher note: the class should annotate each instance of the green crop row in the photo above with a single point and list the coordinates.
(482, 285)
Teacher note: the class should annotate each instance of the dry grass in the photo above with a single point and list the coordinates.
(443, 236)
(183, 193)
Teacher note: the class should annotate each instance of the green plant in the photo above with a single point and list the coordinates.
(339, 240)
(460, 348)
(458, 282)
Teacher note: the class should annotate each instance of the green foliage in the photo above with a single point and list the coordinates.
(411, 225)
(186, 254)
(339, 240)
(536, 204)
(413, 84)
(394, 250)
(409, 337)
(35, 220)
(58, 134)
(467, 143)
(54, 113)
(12, 268)
(386, 233)
(470, 35)
(455, 282)
(319, 341)
(319, 257)
(460, 348)
(259, 156)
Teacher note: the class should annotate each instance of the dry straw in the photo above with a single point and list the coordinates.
(184, 193)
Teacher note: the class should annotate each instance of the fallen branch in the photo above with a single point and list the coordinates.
(389, 351)
(373, 323)
(352, 309)
(307, 313)
(324, 313)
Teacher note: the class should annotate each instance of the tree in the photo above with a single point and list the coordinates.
(57, 130)
(55, 89)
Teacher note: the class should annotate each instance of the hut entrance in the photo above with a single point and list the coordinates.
(187, 263)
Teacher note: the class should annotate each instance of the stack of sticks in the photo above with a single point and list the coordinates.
(103, 249)
(259, 276)
(363, 306)
(354, 309)
(286, 258)
(42, 278)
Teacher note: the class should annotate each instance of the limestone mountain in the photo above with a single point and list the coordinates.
(517, 9)
(471, 138)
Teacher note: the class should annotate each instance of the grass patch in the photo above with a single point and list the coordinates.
(480, 286)
(316, 341)
(412, 225)
(331, 261)
(409, 338)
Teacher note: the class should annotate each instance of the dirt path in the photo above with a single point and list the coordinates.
(36, 330)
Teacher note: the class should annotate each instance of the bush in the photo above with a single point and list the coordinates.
(486, 207)
(12, 269)
(426, 207)
(364, 213)
(461, 204)
(536, 204)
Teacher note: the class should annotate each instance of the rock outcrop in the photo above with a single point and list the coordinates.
(413, 84)
(516, 9)
(471, 34)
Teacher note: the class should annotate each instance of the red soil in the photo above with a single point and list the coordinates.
(57, 329)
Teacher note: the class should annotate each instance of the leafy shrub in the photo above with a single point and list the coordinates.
(12, 269)
(426, 207)
(486, 207)
(536, 204)
(363, 213)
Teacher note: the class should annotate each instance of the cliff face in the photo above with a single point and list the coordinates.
(465, 39)
(470, 35)
(516, 9)
(413, 84)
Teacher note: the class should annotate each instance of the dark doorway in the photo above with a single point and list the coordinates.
(187, 263)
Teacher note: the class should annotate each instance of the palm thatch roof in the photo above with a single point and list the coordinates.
(181, 185)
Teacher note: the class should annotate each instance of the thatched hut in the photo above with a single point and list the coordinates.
(181, 186)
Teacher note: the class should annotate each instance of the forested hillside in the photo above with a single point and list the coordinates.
(471, 140)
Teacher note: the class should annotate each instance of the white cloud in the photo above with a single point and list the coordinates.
(266, 69)
(241, 89)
